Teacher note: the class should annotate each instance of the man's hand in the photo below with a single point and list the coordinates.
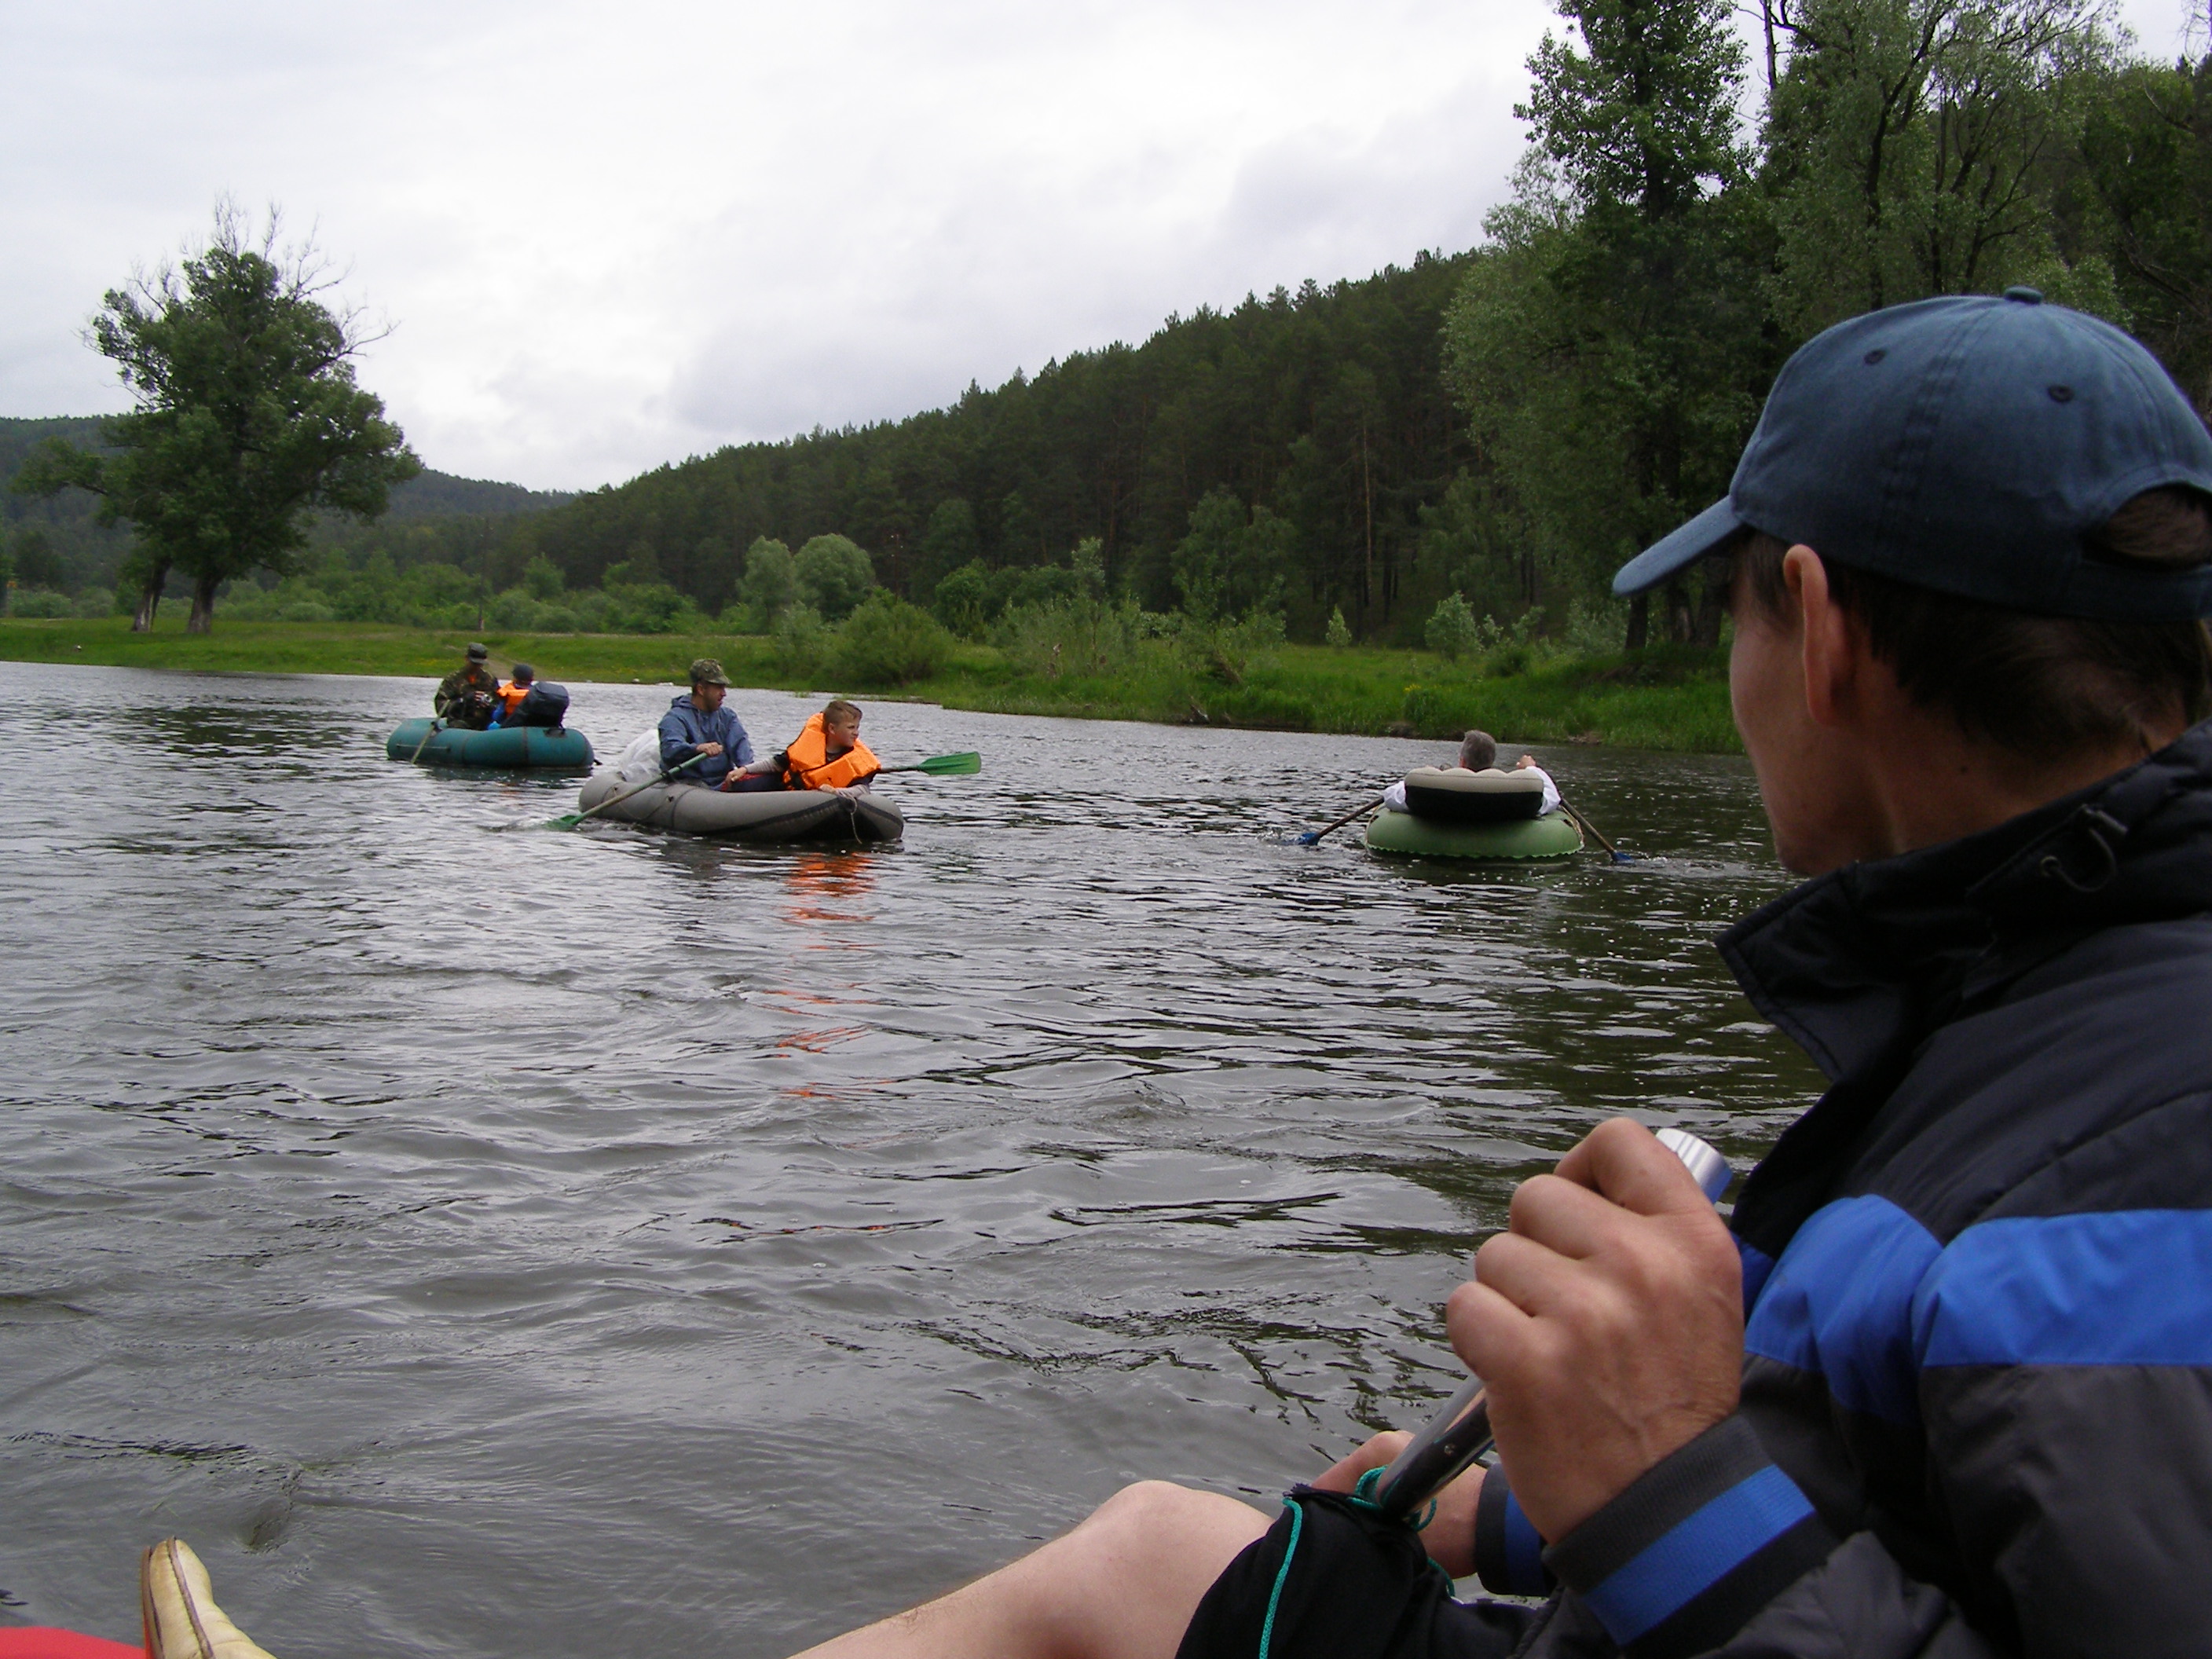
(1607, 1322)
(1449, 1537)
(710, 748)
(1525, 762)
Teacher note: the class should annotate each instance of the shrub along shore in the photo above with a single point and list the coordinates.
(1665, 697)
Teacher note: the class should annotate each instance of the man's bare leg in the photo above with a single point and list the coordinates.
(1123, 1585)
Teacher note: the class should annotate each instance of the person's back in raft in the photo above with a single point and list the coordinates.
(1478, 752)
(697, 724)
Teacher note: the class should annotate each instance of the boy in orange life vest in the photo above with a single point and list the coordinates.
(829, 754)
(508, 700)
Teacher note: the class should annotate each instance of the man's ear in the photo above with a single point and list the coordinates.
(1833, 646)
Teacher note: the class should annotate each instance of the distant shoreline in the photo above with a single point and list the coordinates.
(1670, 698)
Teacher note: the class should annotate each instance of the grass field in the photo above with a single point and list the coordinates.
(1667, 698)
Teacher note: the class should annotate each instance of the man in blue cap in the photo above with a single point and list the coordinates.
(1942, 1383)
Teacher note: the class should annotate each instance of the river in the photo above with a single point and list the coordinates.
(478, 1240)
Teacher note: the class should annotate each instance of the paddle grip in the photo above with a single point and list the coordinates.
(1459, 1434)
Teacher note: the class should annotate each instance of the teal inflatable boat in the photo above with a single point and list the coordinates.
(554, 747)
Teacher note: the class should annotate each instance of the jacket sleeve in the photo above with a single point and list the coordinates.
(676, 744)
(741, 749)
(2060, 1369)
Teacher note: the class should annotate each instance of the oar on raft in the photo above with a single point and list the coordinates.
(1312, 835)
(1595, 834)
(966, 764)
(570, 820)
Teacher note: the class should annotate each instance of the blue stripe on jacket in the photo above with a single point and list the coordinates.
(1697, 1552)
(1840, 1303)
(2113, 1287)
(1865, 1298)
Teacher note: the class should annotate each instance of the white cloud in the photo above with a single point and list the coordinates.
(614, 236)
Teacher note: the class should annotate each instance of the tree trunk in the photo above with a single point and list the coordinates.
(202, 615)
(1680, 627)
(1639, 622)
(1712, 605)
(149, 599)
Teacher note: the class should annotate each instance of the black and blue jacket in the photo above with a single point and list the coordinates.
(1977, 1408)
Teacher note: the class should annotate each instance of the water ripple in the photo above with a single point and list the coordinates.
(485, 1241)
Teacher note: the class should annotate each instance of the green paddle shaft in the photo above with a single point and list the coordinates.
(570, 820)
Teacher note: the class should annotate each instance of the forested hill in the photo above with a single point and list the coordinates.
(71, 551)
(1325, 408)
(430, 495)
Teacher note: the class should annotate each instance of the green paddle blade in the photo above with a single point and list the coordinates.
(944, 766)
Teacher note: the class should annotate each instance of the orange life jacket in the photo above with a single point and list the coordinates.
(808, 765)
(509, 697)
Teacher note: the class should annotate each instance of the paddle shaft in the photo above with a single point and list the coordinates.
(1313, 835)
(1461, 1433)
(1596, 833)
(425, 743)
(668, 776)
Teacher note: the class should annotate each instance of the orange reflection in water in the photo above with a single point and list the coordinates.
(815, 883)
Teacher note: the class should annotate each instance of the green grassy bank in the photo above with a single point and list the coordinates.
(1664, 698)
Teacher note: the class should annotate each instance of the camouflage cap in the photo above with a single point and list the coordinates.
(708, 671)
(479, 652)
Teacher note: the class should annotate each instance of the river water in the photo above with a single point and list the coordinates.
(478, 1241)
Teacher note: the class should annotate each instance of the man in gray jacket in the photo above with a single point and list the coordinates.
(1942, 1384)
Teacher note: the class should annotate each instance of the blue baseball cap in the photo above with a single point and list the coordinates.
(1965, 445)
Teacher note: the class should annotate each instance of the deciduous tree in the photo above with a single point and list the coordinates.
(247, 416)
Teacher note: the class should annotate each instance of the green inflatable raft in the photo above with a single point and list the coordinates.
(1491, 816)
(1527, 841)
(552, 747)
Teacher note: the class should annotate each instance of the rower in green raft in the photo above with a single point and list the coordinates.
(1473, 809)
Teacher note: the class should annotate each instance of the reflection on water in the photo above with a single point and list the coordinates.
(480, 1240)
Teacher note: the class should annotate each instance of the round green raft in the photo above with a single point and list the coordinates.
(547, 746)
(1521, 841)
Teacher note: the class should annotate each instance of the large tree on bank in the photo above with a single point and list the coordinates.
(1607, 344)
(247, 416)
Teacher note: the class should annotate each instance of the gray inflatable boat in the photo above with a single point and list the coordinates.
(765, 815)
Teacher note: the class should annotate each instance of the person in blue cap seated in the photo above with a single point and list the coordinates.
(1942, 1382)
(696, 725)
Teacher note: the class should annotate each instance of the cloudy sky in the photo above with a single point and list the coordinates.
(616, 235)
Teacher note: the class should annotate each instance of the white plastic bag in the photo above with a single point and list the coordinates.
(641, 760)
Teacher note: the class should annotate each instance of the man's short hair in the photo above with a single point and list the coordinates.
(2039, 686)
(1477, 751)
(837, 711)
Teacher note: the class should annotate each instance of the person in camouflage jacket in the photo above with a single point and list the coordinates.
(464, 696)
